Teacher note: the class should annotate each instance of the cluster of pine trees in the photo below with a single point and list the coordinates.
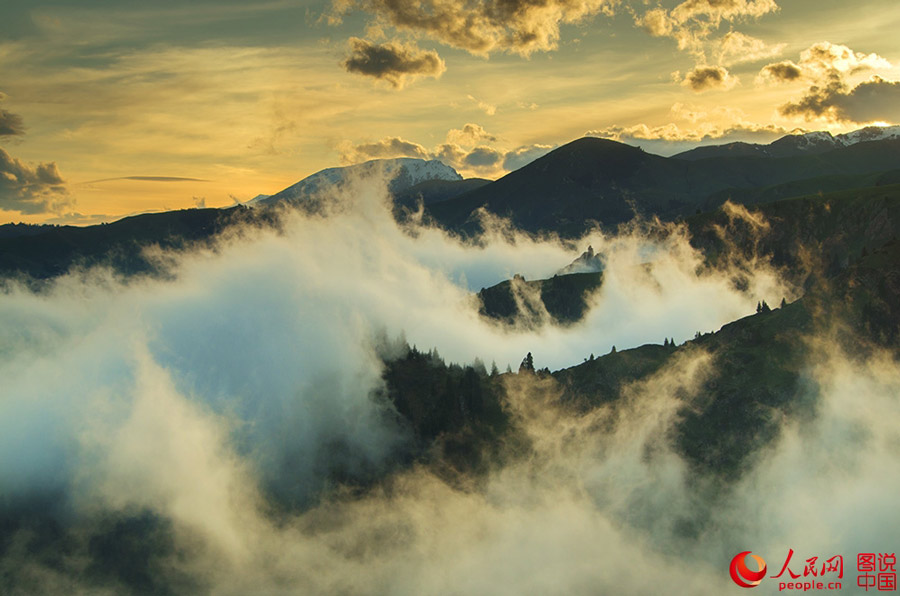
(439, 398)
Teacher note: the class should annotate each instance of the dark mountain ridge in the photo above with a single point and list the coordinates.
(584, 183)
(793, 145)
(597, 181)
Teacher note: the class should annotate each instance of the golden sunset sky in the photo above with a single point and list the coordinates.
(112, 107)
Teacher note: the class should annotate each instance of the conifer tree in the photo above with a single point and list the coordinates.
(527, 364)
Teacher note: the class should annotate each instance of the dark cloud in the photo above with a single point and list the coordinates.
(11, 125)
(30, 189)
(875, 99)
(781, 71)
(483, 157)
(384, 149)
(517, 158)
(483, 26)
(393, 62)
(483, 160)
(702, 78)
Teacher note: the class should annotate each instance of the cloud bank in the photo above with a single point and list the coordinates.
(693, 125)
(26, 188)
(874, 100)
(222, 401)
(11, 125)
(470, 150)
(831, 96)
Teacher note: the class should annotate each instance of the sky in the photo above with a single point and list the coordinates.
(110, 108)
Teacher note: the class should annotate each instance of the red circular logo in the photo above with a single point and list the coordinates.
(742, 575)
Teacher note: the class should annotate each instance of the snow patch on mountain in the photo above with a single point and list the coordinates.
(869, 133)
(402, 173)
(818, 140)
(816, 137)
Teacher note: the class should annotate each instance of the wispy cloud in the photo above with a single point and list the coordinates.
(148, 179)
(488, 108)
(691, 22)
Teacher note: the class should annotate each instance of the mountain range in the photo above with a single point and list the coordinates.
(582, 184)
(595, 180)
(592, 181)
(795, 144)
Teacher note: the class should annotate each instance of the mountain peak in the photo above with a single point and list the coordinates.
(402, 173)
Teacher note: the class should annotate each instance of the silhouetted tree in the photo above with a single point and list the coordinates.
(494, 370)
(783, 303)
(765, 307)
(527, 364)
(613, 351)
